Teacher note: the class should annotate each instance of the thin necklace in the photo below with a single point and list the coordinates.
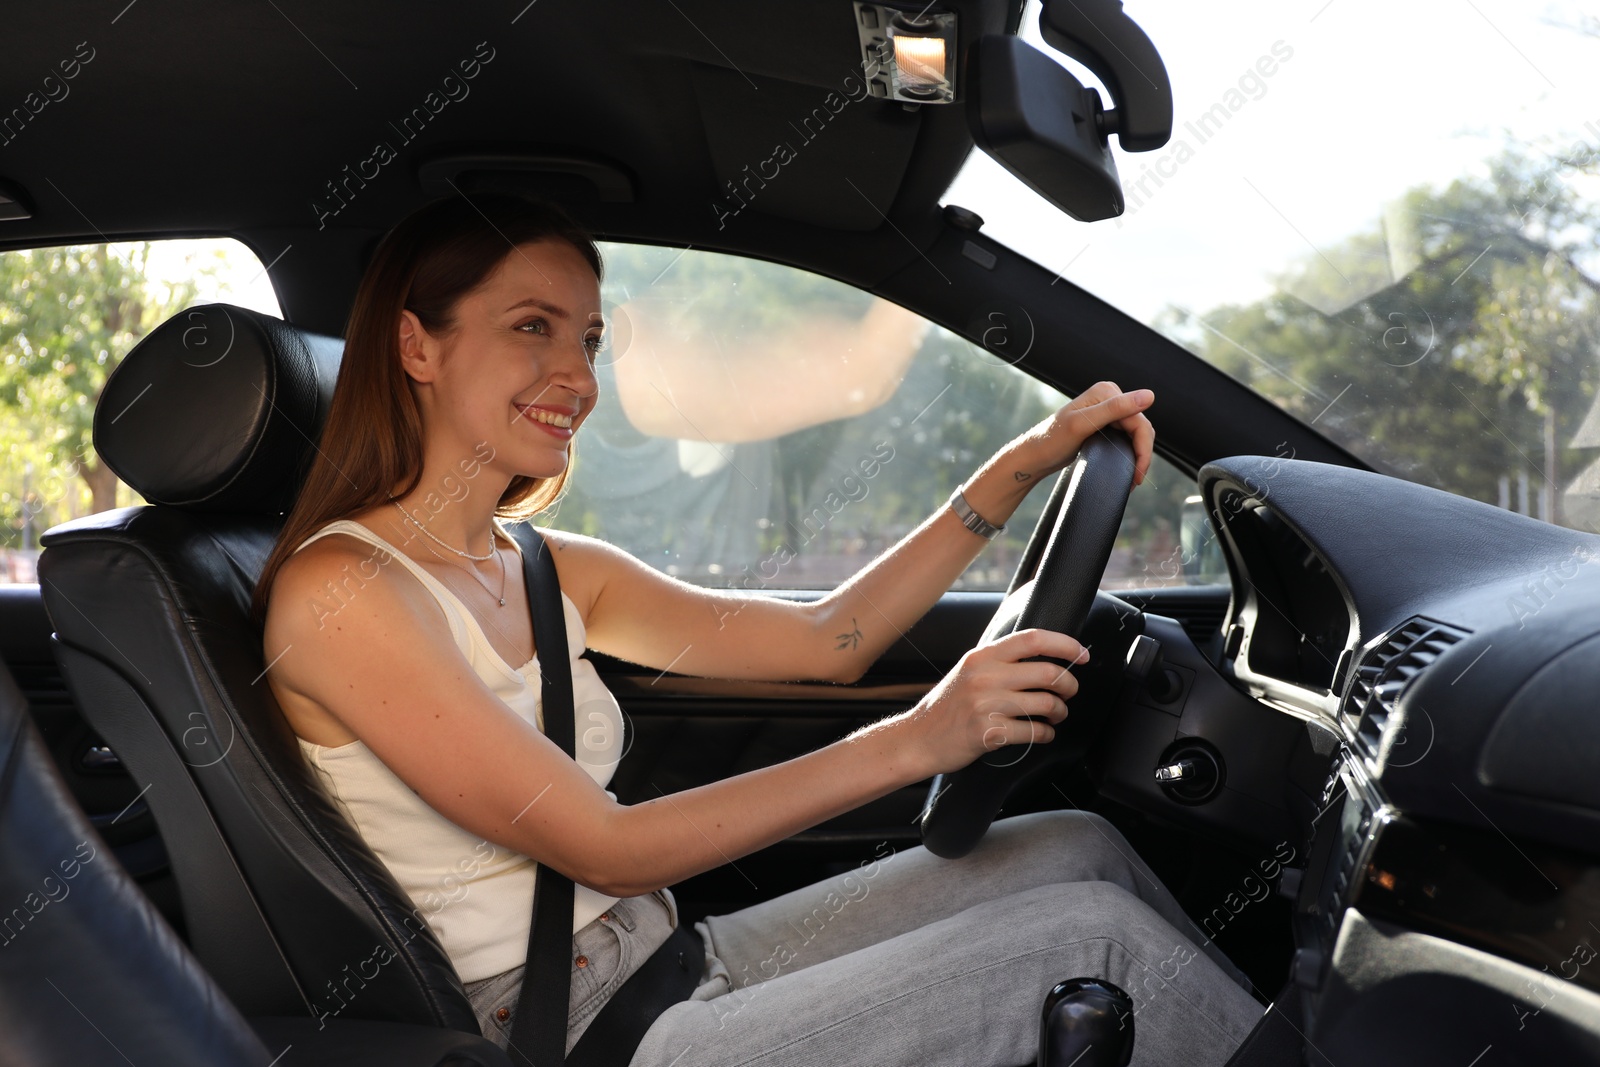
(465, 555)
(494, 552)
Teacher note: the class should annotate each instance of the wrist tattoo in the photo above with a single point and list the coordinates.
(1022, 476)
(849, 640)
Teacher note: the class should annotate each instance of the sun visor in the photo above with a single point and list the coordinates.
(825, 155)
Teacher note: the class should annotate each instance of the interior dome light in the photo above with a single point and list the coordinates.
(919, 62)
(907, 54)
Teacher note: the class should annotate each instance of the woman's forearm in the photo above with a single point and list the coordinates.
(883, 601)
(885, 598)
(997, 694)
(778, 381)
(672, 837)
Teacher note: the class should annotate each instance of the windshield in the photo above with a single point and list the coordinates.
(1380, 216)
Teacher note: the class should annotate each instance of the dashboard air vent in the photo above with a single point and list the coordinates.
(1386, 671)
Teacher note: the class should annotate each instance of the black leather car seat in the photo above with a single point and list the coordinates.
(87, 968)
(90, 973)
(211, 417)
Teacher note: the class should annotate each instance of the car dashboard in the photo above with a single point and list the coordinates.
(1442, 656)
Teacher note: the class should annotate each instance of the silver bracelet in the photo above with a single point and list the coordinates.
(971, 519)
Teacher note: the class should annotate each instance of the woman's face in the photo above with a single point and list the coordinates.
(516, 370)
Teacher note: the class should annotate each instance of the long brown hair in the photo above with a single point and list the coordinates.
(373, 437)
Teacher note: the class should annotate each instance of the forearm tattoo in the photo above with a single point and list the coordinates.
(849, 640)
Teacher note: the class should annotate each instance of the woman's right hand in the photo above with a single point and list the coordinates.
(978, 707)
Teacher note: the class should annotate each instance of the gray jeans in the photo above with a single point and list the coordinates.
(916, 960)
(605, 954)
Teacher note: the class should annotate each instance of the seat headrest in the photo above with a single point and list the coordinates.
(218, 409)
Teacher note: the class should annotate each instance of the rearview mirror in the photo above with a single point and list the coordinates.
(1045, 127)
(1132, 69)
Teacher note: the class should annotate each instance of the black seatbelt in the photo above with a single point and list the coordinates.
(669, 975)
(539, 1029)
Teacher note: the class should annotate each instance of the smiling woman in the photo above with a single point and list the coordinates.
(416, 281)
(420, 705)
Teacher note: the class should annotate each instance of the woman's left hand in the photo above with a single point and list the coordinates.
(1052, 444)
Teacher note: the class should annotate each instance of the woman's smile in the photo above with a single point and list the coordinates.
(558, 422)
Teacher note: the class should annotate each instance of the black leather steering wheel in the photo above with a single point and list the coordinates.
(1063, 595)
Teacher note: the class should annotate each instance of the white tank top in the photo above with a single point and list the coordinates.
(476, 896)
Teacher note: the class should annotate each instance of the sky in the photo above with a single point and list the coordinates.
(1375, 97)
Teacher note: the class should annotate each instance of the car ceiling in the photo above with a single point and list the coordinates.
(202, 119)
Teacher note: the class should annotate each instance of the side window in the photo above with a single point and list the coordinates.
(67, 317)
(764, 428)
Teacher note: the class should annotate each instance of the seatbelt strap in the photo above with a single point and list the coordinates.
(667, 977)
(539, 1029)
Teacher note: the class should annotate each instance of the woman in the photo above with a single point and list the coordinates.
(400, 648)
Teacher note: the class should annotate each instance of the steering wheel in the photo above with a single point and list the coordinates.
(1083, 516)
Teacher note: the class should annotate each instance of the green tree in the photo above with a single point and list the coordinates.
(67, 318)
(1454, 345)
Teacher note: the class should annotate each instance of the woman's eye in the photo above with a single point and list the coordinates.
(594, 344)
(536, 326)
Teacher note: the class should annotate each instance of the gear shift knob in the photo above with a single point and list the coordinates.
(1086, 1022)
